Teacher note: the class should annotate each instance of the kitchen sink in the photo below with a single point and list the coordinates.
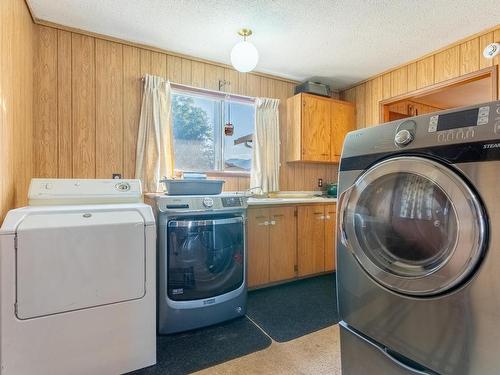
(287, 195)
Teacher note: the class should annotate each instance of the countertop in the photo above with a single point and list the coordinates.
(290, 201)
(283, 198)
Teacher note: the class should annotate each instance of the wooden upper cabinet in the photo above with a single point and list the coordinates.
(316, 119)
(317, 127)
(343, 120)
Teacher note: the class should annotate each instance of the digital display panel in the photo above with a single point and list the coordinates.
(455, 120)
(231, 202)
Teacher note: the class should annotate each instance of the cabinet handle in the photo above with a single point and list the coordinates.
(273, 222)
(264, 223)
(322, 217)
(327, 217)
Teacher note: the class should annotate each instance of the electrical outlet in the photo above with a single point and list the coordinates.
(117, 176)
(320, 182)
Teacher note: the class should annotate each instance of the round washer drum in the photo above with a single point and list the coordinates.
(414, 225)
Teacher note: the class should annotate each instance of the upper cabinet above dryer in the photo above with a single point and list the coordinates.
(317, 127)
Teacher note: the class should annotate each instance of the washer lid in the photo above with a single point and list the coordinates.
(413, 225)
(69, 260)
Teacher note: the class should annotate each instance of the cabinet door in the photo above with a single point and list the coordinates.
(316, 124)
(282, 243)
(311, 239)
(330, 230)
(258, 246)
(342, 123)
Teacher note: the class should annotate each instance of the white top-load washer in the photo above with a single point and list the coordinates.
(77, 280)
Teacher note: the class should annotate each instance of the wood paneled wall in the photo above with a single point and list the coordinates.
(456, 60)
(16, 102)
(88, 96)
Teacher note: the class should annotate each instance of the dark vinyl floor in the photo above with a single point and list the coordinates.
(286, 312)
(283, 312)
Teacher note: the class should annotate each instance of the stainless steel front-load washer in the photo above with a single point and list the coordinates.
(418, 249)
(201, 260)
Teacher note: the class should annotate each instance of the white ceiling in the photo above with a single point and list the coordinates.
(340, 42)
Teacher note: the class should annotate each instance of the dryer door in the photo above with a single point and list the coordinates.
(413, 225)
(74, 260)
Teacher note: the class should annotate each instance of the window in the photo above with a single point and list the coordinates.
(199, 140)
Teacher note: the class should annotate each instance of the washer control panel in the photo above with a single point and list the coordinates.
(465, 125)
(472, 124)
(227, 201)
(54, 191)
(461, 119)
(232, 201)
(456, 135)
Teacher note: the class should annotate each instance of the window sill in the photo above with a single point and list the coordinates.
(210, 174)
(228, 174)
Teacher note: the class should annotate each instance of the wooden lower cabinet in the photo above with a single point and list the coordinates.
(282, 243)
(330, 230)
(271, 245)
(316, 239)
(285, 242)
(258, 246)
(311, 239)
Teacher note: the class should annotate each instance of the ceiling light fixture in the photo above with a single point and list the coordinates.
(244, 55)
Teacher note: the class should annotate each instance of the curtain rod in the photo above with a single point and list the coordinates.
(210, 91)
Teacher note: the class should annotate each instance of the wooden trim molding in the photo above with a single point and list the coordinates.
(227, 174)
(491, 72)
(213, 93)
(30, 11)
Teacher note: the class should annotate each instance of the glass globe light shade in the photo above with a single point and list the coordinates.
(244, 56)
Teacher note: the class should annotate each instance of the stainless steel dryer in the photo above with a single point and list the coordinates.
(418, 255)
(201, 260)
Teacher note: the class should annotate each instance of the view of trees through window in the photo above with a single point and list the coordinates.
(199, 140)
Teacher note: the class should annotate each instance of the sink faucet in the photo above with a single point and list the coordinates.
(250, 191)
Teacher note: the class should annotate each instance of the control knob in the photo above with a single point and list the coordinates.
(122, 186)
(403, 137)
(208, 202)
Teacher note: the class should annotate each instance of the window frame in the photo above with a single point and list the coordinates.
(222, 98)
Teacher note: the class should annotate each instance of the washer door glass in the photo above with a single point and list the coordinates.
(414, 225)
(205, 257)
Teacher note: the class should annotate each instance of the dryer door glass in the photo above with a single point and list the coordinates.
(205, 257)
(407, 222)
(414, 225)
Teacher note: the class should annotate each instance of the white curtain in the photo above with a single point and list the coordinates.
(154, 157)
(264, 175)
